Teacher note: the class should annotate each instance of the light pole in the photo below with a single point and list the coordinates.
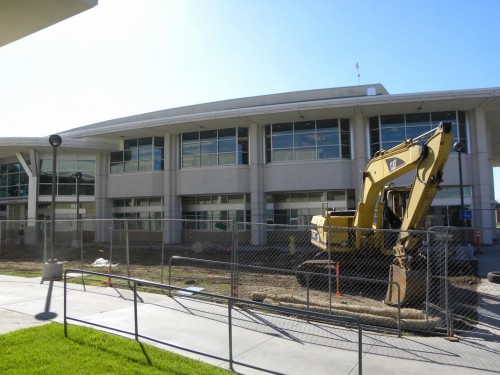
(55, 141)
(459, 147)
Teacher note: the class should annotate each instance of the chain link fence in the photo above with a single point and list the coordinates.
(276, 264)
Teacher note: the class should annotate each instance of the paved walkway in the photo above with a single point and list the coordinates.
(269, 343)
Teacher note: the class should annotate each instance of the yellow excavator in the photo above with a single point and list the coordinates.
(357, 239)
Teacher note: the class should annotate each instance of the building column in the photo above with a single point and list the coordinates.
(482, 176)
(172, 208)
(360, 151)
(103, 205)
(257, 193)
(31, 230)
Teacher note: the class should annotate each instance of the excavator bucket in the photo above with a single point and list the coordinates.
(411, 286)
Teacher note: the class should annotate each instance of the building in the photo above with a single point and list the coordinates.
(19, 18)
(265, 159)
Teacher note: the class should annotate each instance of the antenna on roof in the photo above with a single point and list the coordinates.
(359, 76)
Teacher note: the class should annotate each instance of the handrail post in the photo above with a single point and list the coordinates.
(65, 305)
(230, 327)
(399, 309)
(170, 275)
(360, 349)
(307, 290)
(136, 323)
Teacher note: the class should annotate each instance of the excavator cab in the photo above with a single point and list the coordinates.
(392, 207)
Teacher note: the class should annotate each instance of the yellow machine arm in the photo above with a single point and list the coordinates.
(423, 189)
(428, 159)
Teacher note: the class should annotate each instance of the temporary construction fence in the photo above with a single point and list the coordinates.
(275, 264)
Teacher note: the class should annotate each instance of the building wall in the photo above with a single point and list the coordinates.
(259, 179)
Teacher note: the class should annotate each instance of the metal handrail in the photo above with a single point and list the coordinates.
(230, 305)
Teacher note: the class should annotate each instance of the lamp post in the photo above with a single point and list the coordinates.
(459, 147)
(55, 141)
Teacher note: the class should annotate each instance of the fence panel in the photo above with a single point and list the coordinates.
(350, 268)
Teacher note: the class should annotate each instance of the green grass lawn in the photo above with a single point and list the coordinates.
(45, 350)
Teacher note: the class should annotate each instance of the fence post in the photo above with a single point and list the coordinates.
(45, 241)
(234, 261)
(80, 226)
(329, 250)
(162, 226)
(127, 249)
(446, 296)
(111, 251)
(1, 225)
(428, 278)
(136, 323)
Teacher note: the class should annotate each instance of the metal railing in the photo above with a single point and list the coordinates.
(232, 303)
(235, 268)
(453, 282)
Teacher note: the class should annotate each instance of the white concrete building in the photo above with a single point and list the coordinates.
(266, 159)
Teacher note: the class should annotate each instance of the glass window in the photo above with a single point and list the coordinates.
(328, 138)
(14, 180)
(46, 165)
(306, 153)
(227, 159)
(282, 141)
(191, 149)
(209, 147)
(304, 127)
(283, 128)
(239, 198)
(336, 195)
(227, 133)
(65, 179)
(116, 157)
(227, 146)
(304, 140)
(145, 152)
(282, 155)
(145, 165)
(328, 152)
(308, 140)
(129, 143)
(299, 197)
(208, 160)
(67, 165)
(394, 129)
(145, 141)
(326, 125)
(138, 155)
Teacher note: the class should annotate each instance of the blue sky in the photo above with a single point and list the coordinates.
(125, 57)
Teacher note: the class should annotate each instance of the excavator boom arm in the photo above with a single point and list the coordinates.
(429, 160)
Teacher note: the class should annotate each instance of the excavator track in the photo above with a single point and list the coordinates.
(349, 267)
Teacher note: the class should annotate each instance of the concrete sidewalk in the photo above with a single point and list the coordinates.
(269, 343)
